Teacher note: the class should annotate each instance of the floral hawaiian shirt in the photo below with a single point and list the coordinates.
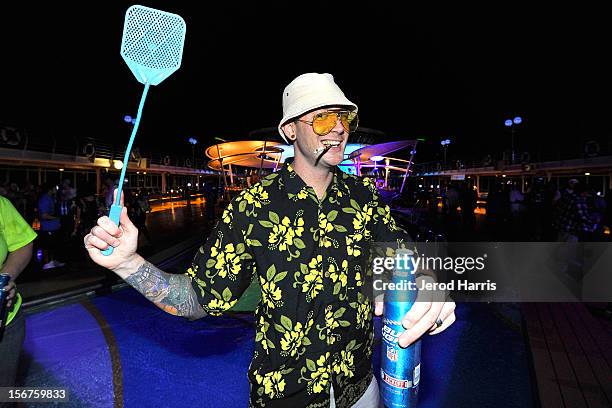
(309, 255)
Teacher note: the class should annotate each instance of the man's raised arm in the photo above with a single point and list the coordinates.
(172, 293)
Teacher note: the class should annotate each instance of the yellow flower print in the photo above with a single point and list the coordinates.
(312, 275)
(261, 337)
(320, 378)
(214, 250)
(191, 271)
(338, 274)
(277, 235)
(313, 283)
(330, 321)
(303, 193)
(387, 217)
(368, 182)
(358, 279)
(227, 214)
(287, 237)
(319, 374)
(294, 229)
(294, 335)
(363, 314)
(362, 218)
(261, 333)
(270, 294)
(286, 221)
(345, 364)
(273, 383)
(292, 340)
(217, 306)
(315, 263)
(248, 197)
(324, 225)
(285, 234)
(228, 262)
(351, 247)
(298, 226)
(255, 195)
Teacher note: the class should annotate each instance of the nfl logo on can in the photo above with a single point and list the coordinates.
(391, 353)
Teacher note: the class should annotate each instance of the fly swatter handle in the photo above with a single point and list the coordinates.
(114, 214)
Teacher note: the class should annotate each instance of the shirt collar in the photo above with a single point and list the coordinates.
(294, 184)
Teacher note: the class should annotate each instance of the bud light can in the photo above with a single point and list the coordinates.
(400, 367)
(4, 280)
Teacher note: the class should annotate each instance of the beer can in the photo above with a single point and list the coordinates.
(4, 280)
(400, 367)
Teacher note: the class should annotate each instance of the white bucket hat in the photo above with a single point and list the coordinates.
(308, 92)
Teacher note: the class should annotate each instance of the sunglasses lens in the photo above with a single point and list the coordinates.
(349, 120)
(323, 123)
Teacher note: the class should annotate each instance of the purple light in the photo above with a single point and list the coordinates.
(508, 122)
(127, 119)
(517, 120)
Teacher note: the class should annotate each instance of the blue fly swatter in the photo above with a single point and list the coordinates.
(152, 47)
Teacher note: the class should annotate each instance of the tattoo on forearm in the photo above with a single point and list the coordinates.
(172, 293)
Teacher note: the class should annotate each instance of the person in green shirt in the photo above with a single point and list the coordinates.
(16, 242)
(303, 233)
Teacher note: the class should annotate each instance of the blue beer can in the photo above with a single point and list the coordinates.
(400, 367)
(4, 280)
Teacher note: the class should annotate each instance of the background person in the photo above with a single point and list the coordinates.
(49, 226)
(16, 238)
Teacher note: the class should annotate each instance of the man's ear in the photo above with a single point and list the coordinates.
(289, 130)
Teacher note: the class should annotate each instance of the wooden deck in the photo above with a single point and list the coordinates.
(572, 355)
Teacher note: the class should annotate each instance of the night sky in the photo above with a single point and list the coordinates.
(446, 73)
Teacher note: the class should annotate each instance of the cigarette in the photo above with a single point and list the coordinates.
(321, 152)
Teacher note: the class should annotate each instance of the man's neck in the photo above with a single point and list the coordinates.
(318, 177)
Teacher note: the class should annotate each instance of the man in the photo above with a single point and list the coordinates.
(573, 218)
(211, 196)
(16, 238)
(567, 192)
(49, 225)
(306, 229)
(138, 209)
(107, 192)
(66, 211)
